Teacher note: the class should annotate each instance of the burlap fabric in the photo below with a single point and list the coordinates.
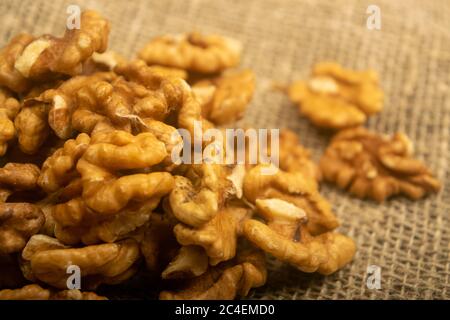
(408, 240)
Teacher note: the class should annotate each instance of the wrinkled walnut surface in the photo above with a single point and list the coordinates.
(337, 98)
(193, 52)
(374, 166)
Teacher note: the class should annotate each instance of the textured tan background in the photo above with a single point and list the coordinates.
(408, 240)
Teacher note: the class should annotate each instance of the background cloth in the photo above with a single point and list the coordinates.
(408, 240)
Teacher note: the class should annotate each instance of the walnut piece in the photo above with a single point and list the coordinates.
(218, 236)
(59, 169)
(103, 263)
(197, 198)
(224, 99)
(325, 253)
(294, 188)
(224, 281)
(28, 292)
(337, 98)
(74, 294)
(126, 104)
(75, 222)
(32, 127)
(9, 76)
(36, 292)
(193, 52)
(17, 177)
(9, 107)
(109, 203)
(46, 55)
(376, 166)
(149, 76)
(107, 193)
(18, 222)
(63, 101)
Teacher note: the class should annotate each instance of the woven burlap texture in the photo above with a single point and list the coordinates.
(408, 240)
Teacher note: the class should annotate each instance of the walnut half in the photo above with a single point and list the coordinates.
(337, 98)
(193, 52)
(376, 166)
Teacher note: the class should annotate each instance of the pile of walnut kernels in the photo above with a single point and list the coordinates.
(87, 178)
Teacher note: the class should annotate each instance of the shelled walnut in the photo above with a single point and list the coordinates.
(10, 77)
(193, 52)
(104, 263)
(286, 236)
(197, 198)
(16, 177)
(225, 98)
(219, 236)
(110, 204)
(294, 188)
(45, 56)
(9, 107)
(18, 222)
(337, 98)
(375, 166)
(224, 281)
(36, 292)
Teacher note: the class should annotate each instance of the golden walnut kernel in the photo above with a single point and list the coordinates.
(102, 101)
(225, 281)
(149, 76)
(31, 123)
(9, 107)
(103, 263)
(218, 236)
(74, 294)
(291, 204)
(47, 55)
(59, 169)
(32, 127)
(75, 222)
(224, 99)
(62, 101)
(125, 104)
(110, 204)
(28, 292)
(17, 177)
(197, 198)
(9, 76)
(294, 188)
(106, 192)
(337, 98)
(18, 222)
(36, 292)
(193, 52)
(286, 237)
(376, 166)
